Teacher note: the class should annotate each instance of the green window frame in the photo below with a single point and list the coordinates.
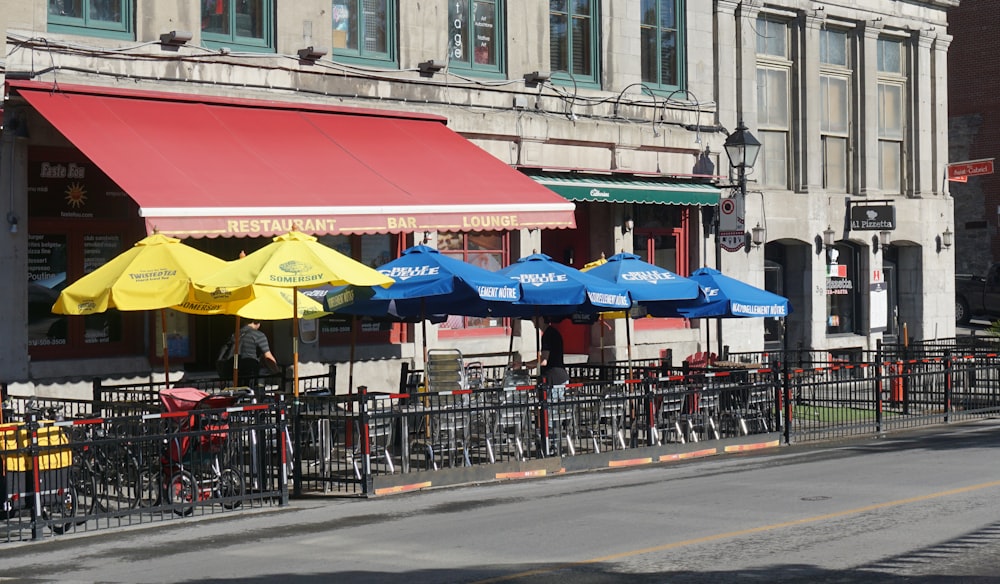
(247, 25)
(102, 18)
(661, 30)
(574, 42)
(476, 34)
(365, 32)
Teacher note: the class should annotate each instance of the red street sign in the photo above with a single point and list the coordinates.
(960, 170)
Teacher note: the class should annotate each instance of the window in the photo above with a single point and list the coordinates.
(773, 103)
(573, 40)
(489, 250)
(774, 281)
(662, 43)
(891, 115)
(373, 251)
(108, 18)
(245, 24)
(476, 35)
(364, 31)
(78, 220)
(835, 83)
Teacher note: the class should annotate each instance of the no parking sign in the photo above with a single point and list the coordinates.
(732, 224)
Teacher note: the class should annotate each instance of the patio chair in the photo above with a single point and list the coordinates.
(445, 370)
(448, 434)
(510, 419)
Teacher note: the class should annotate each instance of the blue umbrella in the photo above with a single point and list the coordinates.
(731, 298)
(549, 288)
(427, 283)
(657, 289)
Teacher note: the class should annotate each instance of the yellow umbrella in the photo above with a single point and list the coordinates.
(154, 274)
(266, 303)
(293, 260)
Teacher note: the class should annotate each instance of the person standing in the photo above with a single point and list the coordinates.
(551, 362)
(254, 348)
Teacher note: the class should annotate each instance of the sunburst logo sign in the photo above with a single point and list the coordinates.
(76, 195)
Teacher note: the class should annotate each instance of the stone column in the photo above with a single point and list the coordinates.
(921, 163)
(866, 119)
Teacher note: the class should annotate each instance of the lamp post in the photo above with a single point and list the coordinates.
(742, 149)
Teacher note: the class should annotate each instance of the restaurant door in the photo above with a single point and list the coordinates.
(571, 247)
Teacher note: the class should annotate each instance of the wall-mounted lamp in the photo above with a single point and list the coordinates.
(758, 235)
(946, 238)
(628, 225)
(427, 237)
(828, 235)
(535, 77)
(430, 67)
(175, 38)
(881, 241)
(12, 221)
(311, 54)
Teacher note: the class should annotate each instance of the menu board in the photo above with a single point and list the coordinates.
(99, 250)
(46, 277)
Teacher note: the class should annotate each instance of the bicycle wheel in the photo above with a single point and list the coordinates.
(182, 492)
(124, 480)
(85, 483)
(61, 509)
(150, 486)
(231, 488)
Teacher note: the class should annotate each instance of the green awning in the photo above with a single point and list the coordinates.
(614, 189)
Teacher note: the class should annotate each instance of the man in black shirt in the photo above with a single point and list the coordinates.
(553, 365)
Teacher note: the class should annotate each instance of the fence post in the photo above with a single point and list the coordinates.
(283, 475)
(98, 397)
(786, 389)
(367, 481)
(652, 435)
(31, 426)
(947, 384)
(297, 442)
(879, 358)
(542, 388)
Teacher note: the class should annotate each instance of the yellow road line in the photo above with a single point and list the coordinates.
(740, 533)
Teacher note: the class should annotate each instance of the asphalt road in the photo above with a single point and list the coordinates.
(916, 508)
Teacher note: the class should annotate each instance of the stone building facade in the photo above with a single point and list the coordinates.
(621, 107)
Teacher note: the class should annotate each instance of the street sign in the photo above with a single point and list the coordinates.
(961, 170)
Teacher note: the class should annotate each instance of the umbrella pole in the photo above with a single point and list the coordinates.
(295, 341)
(628, 343)
(236, 353)
(166, 351)
(350, 365)
(600, 323)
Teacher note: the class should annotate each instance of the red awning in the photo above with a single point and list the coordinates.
(201, 167)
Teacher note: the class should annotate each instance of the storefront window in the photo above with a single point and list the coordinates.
(474, 28)
(364, 29)
(486, 249)
(373, 251)
(107, 18)
(842, 290)
(78, 221)
(243, 23)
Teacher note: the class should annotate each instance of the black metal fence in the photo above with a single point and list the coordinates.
(87, 473)
(125, 461)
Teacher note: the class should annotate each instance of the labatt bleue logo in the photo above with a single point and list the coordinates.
(651, 276)
(403, 273)
(541, 279)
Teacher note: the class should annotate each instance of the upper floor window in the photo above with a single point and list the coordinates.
(835, 82)
(245, 24)
(774, 71)
(364, 31)
(662, 43)
(574, 46)
(891, 114)
(108, 18)
(475, 41)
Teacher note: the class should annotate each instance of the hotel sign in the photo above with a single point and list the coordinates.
(873, 218)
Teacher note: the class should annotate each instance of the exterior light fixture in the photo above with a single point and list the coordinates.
(12, 221)
(758, 235)
(828, 235)
(311, 54)
(742, 148)
(628, 225)
(946, 238)
(535, 77)
(175, 38)
(430, 67)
